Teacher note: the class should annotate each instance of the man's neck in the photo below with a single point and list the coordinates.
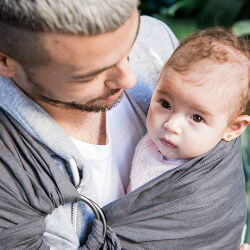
(88, 127)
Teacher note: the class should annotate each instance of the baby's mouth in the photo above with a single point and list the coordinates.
(167, 143)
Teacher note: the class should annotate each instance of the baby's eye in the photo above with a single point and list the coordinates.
(197, 118)
(165, 104)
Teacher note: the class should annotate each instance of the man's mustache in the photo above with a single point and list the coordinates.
(111, 92)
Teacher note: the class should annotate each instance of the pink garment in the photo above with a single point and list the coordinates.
(148, 163)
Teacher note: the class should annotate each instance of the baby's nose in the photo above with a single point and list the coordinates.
(173, 125)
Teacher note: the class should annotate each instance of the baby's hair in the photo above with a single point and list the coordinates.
(221, 46)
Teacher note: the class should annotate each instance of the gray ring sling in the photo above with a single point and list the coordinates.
(199, 205)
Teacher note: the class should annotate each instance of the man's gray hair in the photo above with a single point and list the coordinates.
(22, 23)
(86, 17)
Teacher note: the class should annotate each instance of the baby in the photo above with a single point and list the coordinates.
(201, 98)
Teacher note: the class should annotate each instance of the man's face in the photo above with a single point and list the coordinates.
(87, 73)
(189, 112)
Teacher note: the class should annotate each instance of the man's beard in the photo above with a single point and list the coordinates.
(90, 106)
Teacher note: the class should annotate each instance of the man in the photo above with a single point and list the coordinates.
(65, 65)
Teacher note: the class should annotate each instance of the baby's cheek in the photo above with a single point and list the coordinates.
(149, 123)
(152, 119)
(201, 146)
(194, 146)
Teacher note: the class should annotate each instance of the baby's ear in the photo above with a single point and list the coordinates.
(6, 66)
(236, 128)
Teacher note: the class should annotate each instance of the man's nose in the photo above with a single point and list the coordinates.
(121, 76)
(174, 124)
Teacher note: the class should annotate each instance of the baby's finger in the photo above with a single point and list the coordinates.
(244, 247)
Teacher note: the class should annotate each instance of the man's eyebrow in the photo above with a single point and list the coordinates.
(93, 73)
(98, 71)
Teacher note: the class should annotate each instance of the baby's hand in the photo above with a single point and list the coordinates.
(244, 247)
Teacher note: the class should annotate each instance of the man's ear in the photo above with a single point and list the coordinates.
(6, 66)
(236, 128)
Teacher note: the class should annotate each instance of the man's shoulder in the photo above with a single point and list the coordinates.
(153, 46)
(155, 42)
(152, 28)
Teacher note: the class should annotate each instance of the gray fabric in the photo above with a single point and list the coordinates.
(31, 187)
(199, 205)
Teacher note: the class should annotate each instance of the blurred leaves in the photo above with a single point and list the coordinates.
(187, 5)
(222, 13)
(245, 139)
(242, 28)
(186, 16)
(182, 27)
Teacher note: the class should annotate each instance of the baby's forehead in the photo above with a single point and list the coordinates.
(228, 75)
(209, 57)
(220, 81)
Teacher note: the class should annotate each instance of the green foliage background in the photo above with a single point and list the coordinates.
(185, 17)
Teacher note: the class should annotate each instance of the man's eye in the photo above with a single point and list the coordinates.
(197, 118)
(165, 104)
(83, 80)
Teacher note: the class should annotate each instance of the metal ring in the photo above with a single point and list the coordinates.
(97, 212)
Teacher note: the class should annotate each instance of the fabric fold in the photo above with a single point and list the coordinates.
(31, 187)
(198, 205)
(96, 240)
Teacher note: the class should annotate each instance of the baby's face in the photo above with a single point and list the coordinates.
(186, 119)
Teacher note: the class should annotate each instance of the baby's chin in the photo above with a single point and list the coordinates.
(177, 154)
(186, 155)
(172, 155)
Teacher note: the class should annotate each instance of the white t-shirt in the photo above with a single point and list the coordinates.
(111, 163)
